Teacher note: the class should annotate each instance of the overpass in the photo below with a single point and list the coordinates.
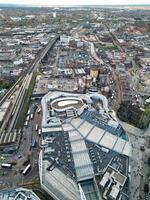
(43, 53)
(28, 78)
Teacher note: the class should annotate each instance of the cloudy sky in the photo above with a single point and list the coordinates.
(76, 2)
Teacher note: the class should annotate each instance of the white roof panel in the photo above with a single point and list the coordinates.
(76, 122)
(83, 164)
(78, 145)
(67, 127)
(108, 140)
(127, 149)
(85, 173)
(85, 128)
(74, 135)
(81, 158)
(119, 145)
(96, 134)
(51, 129)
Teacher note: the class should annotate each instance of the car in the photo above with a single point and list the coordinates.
(2, 158)
(142, 148)
(19, 156)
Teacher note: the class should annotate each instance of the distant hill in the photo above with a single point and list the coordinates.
(2, 5)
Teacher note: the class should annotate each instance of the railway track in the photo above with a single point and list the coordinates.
(11, 90)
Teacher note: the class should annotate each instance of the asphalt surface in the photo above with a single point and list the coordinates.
(14, 177)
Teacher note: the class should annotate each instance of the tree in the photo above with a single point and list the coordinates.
(148, 161)
(146, 188)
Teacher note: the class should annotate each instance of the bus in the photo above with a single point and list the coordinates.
(28, 118)
(33, 143)
(39, 132)
(6, 165)
(36, 127)
(39, 110)
(28, 113)
(27, 169)
(31, 116)
(26, 123)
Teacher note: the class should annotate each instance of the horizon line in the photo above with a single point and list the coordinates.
(62, 5)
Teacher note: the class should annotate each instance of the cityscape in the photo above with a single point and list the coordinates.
(74, 102)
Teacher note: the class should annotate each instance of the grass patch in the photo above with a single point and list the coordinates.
(24, 109)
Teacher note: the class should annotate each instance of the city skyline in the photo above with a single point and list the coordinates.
(74, 100)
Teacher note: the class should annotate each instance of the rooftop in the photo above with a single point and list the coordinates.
(82, 147)
(18, 194)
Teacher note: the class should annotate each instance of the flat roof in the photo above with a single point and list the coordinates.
(2, 113)
(51, 129)
(82, 147)
(100, 136)
(67, 127)
(74, 135)
(96, 134)
(85, 128)
(108, 140)
(56, 183)
(82, 162)
(18, 194)
(76, 122)
(119, 145)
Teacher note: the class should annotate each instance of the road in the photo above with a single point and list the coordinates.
(94, 55)
(13, 177)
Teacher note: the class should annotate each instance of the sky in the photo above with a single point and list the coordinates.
(76, 2)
